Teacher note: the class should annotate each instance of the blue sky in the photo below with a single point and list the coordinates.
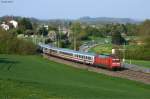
(72, 9)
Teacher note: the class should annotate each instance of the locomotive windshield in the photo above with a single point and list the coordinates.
(115, 60)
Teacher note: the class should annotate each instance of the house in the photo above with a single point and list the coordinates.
(4, 26)
(14, 23)
(45, 26)
(7, 26)
(52, 35)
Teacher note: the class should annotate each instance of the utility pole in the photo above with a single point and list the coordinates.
(58, 36)
(75, 42)
(123, 53)
(42, 37)
(58, 41)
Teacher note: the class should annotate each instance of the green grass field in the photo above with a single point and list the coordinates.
(102, 49)
(107, 48)
(141, 63)
(32, 77)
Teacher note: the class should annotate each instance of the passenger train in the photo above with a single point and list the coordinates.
(106, 61)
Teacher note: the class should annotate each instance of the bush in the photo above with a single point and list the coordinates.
(10, 44)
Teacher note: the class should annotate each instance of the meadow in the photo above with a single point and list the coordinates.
(33, 77)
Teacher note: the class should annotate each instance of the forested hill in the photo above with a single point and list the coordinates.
(107, 20)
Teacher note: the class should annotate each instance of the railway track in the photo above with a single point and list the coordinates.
(126, 73)
(135, 75)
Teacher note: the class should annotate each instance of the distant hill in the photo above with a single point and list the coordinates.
(88, 20)
(107, 20)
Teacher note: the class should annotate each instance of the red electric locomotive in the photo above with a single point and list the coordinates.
(111, 62)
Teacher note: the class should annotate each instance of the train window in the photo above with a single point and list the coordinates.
(89, 58)
(82, 56)
(115, 60)
(86, 57)
(54, 51)
(65, 53)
